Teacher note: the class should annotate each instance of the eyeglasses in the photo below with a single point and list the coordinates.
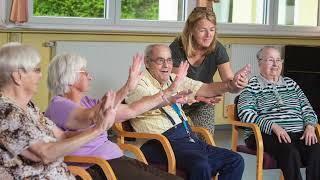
(86, 73)
(202, 8)
(270, 61)
(36, 69)
(161, 61)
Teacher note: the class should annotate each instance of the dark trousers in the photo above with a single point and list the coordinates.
(126, 168)
(291, 156)
(198, 160)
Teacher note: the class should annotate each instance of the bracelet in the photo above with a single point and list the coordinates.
(164, 98)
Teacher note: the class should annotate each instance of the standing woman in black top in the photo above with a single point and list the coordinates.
(199, 46)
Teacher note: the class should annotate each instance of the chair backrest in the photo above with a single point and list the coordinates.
(235, 115)
(126, 126)
(78, 171)
(232, 113)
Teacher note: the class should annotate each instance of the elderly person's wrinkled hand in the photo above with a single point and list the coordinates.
(240, 79)
(209, 100)
(180, 75)
(135, 72)
(281, 133)
(181, 97)
(309, 136)
(105, 114)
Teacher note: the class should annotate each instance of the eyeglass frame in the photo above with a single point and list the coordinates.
(271, 61)
(85, 72)
(162, 60)
(36, 69)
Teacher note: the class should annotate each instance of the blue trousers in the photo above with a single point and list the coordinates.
(198, 160)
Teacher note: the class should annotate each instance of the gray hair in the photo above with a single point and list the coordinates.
(260, 53)
(15, 56)
(148, 50)
(64, 71)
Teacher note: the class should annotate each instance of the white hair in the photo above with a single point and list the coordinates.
(64, 71)
(15, 56)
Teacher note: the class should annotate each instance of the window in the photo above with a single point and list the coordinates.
(298, 12)
(138, 15)
(162, 10)
(268, 17)
(241, 11)
(70, 8)
(244, 17)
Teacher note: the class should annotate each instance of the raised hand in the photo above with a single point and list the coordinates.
(105, 114)
(281, 133)
(135, 75)
(240, 79)
(181, 97)
(135, 72)
(209, 100)
(309, 136)
(180, 75)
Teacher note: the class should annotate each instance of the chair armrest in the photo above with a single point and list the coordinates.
(318, 131)
(78, 171)
(205, 133)
(104, 165)
(161, 138)
(135, 150)
(258, 137)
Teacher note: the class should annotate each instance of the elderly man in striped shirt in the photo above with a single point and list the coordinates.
(285, 117)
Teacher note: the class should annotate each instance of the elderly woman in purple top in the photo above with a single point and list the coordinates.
(72, 110)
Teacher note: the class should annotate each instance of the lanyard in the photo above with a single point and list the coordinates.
(176, 108)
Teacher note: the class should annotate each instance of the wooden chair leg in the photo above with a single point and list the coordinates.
(259, 174)
(281, 175)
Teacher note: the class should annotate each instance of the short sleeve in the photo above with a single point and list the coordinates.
(59, 110)
(221, 54)
(177, 53)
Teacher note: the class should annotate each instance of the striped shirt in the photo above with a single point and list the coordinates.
(283, 103)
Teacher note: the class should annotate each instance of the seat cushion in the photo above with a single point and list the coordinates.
(163, 167)
(126, 125)
(268, 161)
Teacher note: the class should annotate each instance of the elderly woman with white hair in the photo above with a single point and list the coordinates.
(31, 146)
(286, 119)
(71, 109)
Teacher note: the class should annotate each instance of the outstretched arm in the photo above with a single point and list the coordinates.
(239, 81)
(67, 143)
(83, 117)
(141, 103)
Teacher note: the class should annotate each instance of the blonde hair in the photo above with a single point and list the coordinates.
(186, 38)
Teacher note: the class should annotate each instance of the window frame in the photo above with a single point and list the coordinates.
(115, 24)
(272, 28)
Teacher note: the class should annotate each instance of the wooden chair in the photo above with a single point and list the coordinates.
(264, 160)
(125, 130)
(78, 171)
(103, 164)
